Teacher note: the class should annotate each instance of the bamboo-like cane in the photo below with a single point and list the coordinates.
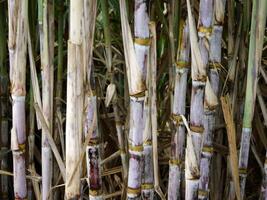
(210, 110)
(18, 12)
(136, 83)
(93, 147)
(75, 97)
(4, 100)
(178, 139)
(46, 65)
(254, 59)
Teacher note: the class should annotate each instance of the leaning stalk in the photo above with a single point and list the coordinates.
(75, 97)
(254, 61)
(178, 139)
(210, 109)
(17, 11)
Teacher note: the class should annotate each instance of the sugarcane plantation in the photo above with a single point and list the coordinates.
(133, 99)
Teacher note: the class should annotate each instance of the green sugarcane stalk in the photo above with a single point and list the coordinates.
(259, 13)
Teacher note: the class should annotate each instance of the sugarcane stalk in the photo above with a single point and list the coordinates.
(118, 122)
(75, 98)
(47, 95)
(148, 175)
(178, 139)
(199, 52)
(141, 44)
(210, 109)
(93, 154)
(4, 99)
(254, 60)
(135, 67)
(93, 150)
(210, 100)
(17, 38)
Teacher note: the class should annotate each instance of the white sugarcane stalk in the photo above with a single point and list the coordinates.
(148, 176)
(46, 65)
(178, 140)
(135, 56)
(199, 52)
(18, 12)
(204, 31)
(210, 109)
(141, 45)
(75, 97)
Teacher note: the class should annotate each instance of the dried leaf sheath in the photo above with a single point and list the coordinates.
(135, 77)
(178, 139)
(18, 28)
